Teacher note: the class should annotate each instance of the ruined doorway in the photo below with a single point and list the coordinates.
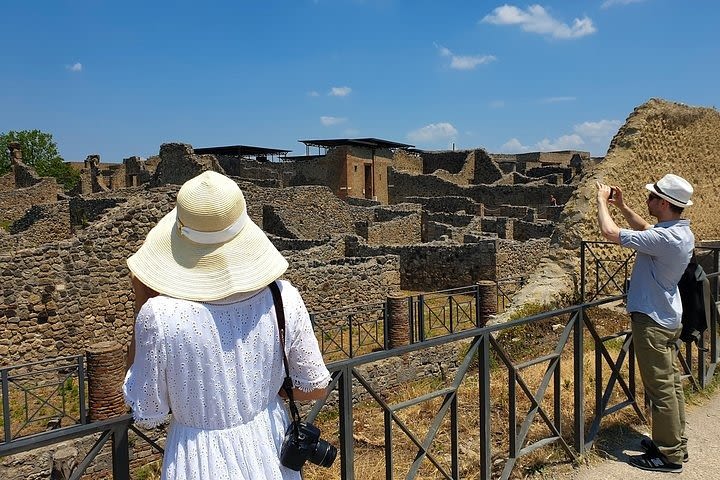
(368, 182)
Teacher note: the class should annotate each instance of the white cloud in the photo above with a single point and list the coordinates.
(340, 91)
(557, 99)
(464, 62)
(433, 133)
(564, 142)
(612, 3)
(597, 131)
(313, 94)
(75, 67)
(329, 121)
(537, 20)
(513, 146)
(469, 62)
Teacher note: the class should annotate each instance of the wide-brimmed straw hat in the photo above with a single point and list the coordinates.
(207, 247)
(674, 189)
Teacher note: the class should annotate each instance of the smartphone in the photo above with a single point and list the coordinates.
(612, 193)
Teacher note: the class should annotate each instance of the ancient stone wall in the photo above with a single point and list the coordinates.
(409, 162)
(247, 168)
(445, 204)
(328, 170)
(486, 170)
(178, 163)
(513, 211)
(303, 212)
(431, 267)
(14, 203)
(405, 186)
(40, 224)
(523, 231)
(452, 219)
(7, 182)
(397, 231)
(345, 281)
(450, 161)
(519, 258)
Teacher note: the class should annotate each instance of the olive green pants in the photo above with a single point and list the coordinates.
(656, 353)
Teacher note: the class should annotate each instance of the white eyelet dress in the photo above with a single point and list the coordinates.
(218, 367)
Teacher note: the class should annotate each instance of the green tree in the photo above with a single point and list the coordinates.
(40, 152)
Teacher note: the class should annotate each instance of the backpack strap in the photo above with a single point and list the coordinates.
(287, 385)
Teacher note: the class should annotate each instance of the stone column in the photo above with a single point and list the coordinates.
(398, 323)
(106, 373)
(15, 152)
(487, 298)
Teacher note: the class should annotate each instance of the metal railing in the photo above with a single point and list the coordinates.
(423, 433)
(351, 331)
(443, 312)
(42, 395)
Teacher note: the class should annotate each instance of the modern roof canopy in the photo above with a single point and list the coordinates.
(358, 142)
(242, 151)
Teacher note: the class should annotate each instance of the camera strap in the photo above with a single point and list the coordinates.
(287, 385)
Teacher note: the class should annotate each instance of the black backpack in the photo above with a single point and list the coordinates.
(694, 289)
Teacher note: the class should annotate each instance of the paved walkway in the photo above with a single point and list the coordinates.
(703, 431)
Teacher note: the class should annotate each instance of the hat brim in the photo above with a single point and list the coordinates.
(651, 187)
(175, 266)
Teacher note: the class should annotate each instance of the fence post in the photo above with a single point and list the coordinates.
(421, 317)
(582, 271)
(106, 373)
(121, 454)
(579, 381)
(6, 405)
(484, 406)
(397, 323)
(487, 298)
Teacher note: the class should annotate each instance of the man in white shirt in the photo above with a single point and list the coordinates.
(653, 301)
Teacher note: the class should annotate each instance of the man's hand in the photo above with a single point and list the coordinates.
(607, 226)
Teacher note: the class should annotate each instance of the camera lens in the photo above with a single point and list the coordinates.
(324, 454)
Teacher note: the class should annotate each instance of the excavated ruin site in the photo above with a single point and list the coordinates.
(435, 220)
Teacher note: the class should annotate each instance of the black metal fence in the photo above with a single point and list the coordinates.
(523, 382)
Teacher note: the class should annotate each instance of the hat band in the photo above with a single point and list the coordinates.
(655, 185)
(211, 238)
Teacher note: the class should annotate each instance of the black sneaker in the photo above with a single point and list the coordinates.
(650, 447)
(654, 462)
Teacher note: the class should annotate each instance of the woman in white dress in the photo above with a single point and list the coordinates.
(206, 344)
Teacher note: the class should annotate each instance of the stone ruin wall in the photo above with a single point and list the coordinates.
(69, 294)
(400, 231)
(7, 182)
(432, 267)
(408, 162)
(519, 258)
(309, 211)
(41, 224)
(327, 170)
(405, 186)
(453, 162)
(16, 202)
(448, 204)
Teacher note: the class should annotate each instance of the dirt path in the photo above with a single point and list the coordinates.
(703, 431)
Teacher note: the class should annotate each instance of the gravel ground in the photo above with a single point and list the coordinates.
(703, 431)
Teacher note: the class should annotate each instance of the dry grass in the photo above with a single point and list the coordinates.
(522, 342)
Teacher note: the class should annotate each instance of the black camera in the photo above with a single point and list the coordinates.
(302, 442)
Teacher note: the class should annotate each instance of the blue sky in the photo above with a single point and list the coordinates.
(119, 78)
